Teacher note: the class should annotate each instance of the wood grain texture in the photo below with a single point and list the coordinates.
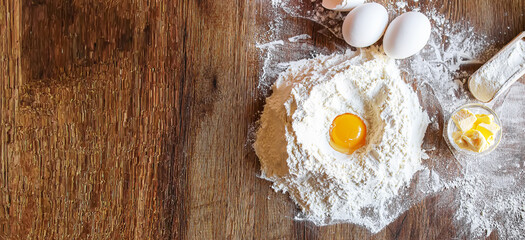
(131, 119)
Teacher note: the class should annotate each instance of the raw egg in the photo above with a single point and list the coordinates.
(365, 24)
(406, 35)
(347, 133)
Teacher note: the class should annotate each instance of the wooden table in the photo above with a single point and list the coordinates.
(132, 119)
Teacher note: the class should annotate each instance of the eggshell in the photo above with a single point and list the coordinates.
(341, 5)
(406, 35)
(365, 24)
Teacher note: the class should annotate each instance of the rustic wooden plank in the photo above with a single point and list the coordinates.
(172, 174)
(221, 195)
(95, 120)
(11, 76)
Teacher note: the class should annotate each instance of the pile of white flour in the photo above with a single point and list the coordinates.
(293, 142)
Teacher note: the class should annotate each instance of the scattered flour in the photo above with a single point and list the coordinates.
(299, 37)
(292, 141)
(270, 44)
(401, 4)
(490, 196)
(277, 3)
(488, 192)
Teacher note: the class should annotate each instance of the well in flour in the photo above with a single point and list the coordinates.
(293, 146)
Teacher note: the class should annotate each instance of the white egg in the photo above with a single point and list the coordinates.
(341, 5)
(406, 35)
(365, 24)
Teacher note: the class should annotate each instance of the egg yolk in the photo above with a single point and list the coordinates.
(347, 133)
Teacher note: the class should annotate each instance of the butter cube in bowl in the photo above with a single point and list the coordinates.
(473, 129)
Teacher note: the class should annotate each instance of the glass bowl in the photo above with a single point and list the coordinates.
(451, 127)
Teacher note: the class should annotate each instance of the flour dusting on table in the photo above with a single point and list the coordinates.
(488, 191)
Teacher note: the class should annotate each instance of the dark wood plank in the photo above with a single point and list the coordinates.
(95, 121)
(10, 72)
